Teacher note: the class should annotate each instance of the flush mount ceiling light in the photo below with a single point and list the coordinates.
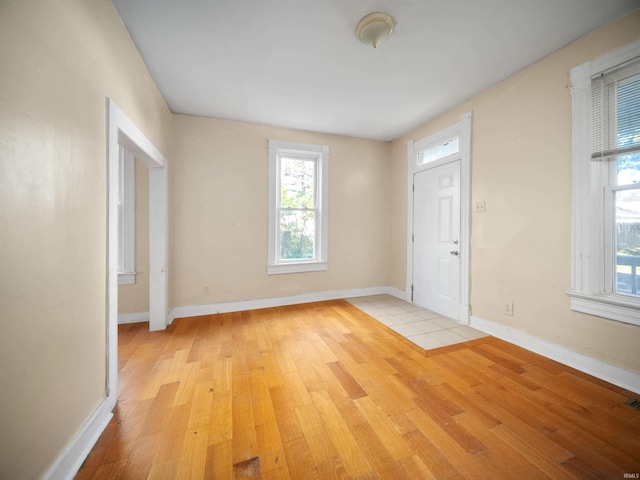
(374, 29)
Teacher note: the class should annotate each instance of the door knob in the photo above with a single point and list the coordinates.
(454, 252)
(455, 242)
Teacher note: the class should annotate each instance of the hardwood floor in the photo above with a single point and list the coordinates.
(322, 390)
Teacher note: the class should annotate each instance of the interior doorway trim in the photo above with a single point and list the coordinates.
(462, 129)
(122, 131)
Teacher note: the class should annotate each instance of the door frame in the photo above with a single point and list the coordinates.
(462, 129)
(122, 131)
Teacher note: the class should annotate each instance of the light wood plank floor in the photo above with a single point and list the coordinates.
(322, 391)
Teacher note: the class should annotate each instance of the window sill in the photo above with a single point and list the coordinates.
(614, 307)
(297, 267)
(127, 278)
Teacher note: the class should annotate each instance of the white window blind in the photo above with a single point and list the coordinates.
(615, 97)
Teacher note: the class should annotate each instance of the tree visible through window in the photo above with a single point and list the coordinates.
(297, 208)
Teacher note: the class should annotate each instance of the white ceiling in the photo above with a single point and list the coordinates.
(298, 64)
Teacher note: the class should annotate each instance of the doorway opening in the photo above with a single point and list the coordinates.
(122, 132)
(438, 223)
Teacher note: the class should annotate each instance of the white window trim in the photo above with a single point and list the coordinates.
(127, 225)
(322, 191)
(591, 285)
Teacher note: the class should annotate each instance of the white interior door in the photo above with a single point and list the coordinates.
(436, 227)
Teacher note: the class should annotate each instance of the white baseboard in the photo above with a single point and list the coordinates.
(75, 454)
(605, 371)
(226, 307)
(396, 292)
(133, 317)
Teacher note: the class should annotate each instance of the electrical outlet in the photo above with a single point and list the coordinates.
(480, 206)
(206, 289)
(507, 308)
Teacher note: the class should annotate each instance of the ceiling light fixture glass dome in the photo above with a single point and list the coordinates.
(374, 29)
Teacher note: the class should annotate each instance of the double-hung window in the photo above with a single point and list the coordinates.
(298, 175)
(606, 186)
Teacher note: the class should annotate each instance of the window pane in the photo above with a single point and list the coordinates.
(439, 151)
(628, 171)
(297, 182)
(297, 234)
(627, 214)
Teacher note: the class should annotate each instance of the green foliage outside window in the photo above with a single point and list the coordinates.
(297, 214)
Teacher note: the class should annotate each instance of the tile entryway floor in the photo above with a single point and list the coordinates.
(423, 327)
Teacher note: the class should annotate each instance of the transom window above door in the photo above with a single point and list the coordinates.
(438, 151)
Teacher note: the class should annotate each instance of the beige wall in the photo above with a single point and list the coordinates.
(60, 60)
(220, 213)
(135, 298)
(521, 167)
